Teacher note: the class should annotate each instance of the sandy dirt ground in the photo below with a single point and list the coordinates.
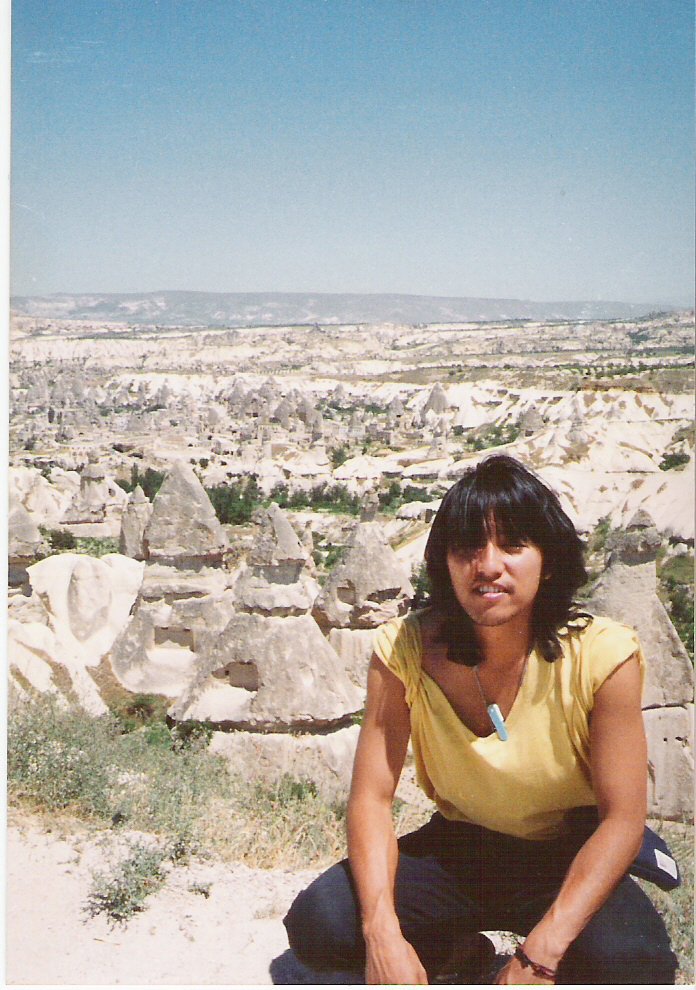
(210, 924)
(233, 936)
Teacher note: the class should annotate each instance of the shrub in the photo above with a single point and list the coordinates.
(58, 539)
(334, 498)
(412, 493)
(334, 555)
(673, 460)
(598, 537)
(138, 710)
(339, 455)
(421, 586)
(96, 547)
(123, 894)
(331, 498)
(492, 436)
(395, 496)
(58, 758)
(150, 481)
(280, 494)
(235, 503)
(392, 497)
(681, 609)
(284, 823)
(154, 778)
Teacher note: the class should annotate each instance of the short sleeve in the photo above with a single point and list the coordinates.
(594, 652)
(608, 644)
(397, 645)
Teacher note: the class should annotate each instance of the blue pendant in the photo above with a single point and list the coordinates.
(498, 721)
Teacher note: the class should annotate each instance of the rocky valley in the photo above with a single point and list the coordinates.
(209, 522)
(254, 501)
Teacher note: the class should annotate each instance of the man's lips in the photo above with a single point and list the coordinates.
(490, 590)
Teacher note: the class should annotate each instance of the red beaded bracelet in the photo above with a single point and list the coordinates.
(536, 968)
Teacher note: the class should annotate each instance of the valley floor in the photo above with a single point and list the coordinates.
(211, 924)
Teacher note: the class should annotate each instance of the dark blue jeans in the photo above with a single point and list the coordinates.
(454, 878)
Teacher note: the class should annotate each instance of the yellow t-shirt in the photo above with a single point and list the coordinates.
(523, 786)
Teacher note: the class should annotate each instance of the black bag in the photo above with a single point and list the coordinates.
(655, 862)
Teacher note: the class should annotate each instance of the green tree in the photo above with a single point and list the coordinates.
(339, 455)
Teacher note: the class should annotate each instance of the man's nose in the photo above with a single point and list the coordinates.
(489, 559)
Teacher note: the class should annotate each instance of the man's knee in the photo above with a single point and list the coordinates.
(322, 923)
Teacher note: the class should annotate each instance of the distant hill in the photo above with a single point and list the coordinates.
(238, 309)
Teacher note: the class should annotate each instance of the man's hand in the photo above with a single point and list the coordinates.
(393, 961)
(515, 974)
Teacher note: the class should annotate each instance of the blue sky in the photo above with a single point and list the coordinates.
(538, 149)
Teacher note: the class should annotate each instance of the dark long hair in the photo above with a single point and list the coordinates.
(502, 492)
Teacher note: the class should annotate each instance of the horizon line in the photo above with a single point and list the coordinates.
(409, 295)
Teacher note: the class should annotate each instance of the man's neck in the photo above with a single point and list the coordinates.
(503, 646)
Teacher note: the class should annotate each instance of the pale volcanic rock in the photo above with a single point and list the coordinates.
(27, 608)
(134, 520)
(354, 647)
(183, 525)
(626, 592)
(435, 467)
(167, 582)
(129, 656)
(155, 652)
(436, 402)
(269, 675)
(418, 510)
(32, 649)
(667, 496)
(24, 540)
(602, 449)
(359, 473)
(313, 463)
(277, 551)
(585, 496)
(276, 578)
(269, 473)
(327, 760)
(90, 598)
(367, 588)
(86, 601)
(670, 733)
(531, 420)
(44, 501)
(253, 593)
(473, 406)
(66, 482)
(98, 499)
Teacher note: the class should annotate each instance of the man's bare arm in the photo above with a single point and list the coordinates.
(372, 847)
(618, 756)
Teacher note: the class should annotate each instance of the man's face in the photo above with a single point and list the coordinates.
(496, 583)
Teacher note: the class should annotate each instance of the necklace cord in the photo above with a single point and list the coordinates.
(483, 696)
